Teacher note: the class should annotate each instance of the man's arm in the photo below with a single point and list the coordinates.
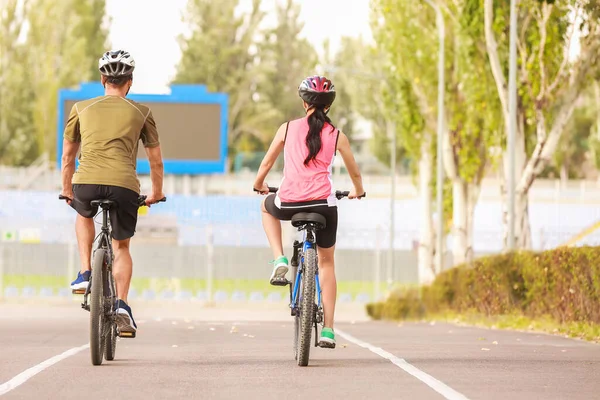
(71, 141)
(156, 174)
(269, 159)
(68, 167)
(149, 136)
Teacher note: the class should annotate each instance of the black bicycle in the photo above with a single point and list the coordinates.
(103, 299)
(307, 312)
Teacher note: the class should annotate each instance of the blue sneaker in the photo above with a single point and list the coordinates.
(82, 281)
(125, 321)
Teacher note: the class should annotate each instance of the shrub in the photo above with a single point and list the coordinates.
(563, 284)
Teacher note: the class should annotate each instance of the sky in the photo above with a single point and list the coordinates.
(148, 29)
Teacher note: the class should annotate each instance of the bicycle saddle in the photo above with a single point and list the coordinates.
(102, 203)
(309, 218)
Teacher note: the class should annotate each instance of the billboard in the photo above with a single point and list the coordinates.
(191, 123)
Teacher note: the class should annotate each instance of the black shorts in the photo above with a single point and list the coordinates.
(123, 216)
(325, 238)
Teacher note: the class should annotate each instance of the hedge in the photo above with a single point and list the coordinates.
(563, 284)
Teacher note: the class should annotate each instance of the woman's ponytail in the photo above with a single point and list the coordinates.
(316, 122)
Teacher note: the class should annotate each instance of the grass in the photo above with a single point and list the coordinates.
(579, 330)
(353, 288)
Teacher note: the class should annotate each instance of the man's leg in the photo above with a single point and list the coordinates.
(122, 268)
(85, 231)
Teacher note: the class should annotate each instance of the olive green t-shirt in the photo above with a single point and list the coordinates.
(109, 129)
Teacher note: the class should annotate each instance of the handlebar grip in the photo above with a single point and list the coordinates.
(272, 189)
(61, 197)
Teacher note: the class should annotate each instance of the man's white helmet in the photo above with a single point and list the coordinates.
(116, 63)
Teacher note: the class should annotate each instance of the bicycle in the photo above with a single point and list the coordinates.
(103, 316)
(303, 287)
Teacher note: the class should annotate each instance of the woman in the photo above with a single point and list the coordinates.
(310, 145)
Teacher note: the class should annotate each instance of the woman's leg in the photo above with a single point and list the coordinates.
(328, 283)
(272, 228)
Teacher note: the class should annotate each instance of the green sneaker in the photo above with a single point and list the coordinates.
(279, 270)
(327, 340)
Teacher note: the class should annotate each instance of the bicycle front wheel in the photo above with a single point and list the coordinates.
(307, 306)
(97, 308)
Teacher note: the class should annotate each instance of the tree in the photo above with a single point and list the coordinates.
(221, 53)
(61, 55)
(16, 95)
(287, 59)
(549, 83)
(471, 121)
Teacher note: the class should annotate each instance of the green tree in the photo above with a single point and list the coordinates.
(287, 59)
(407, 33)
(221, 53)
(549, 82)
(17, 144)
(61, 55)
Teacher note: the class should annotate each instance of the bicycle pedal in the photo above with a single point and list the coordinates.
(280, 282)
(127, 335)
(78, 291)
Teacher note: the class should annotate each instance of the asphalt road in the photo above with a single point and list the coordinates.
(193, 352)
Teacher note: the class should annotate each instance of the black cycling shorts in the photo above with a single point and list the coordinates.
(325, 238)
(123, 215)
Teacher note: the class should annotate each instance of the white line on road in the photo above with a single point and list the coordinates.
(427, 379)
(36, 369)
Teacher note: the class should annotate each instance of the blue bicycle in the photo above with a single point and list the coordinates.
(305, 281)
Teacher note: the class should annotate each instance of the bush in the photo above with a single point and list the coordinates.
(563, 284)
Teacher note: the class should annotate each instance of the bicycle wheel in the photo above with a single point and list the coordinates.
(307, 306)
(110, 338)
(296, 316)
(97, 308)
(111, 342)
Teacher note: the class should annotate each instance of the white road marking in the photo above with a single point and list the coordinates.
(36, 369)
(427, 379)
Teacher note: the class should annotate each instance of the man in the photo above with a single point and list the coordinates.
(108, 129)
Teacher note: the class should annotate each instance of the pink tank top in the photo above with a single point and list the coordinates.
(304, 183)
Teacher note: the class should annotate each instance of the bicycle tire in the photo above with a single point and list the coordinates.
(97, 308)
(110, 340)
(110, 349)
(296, 316)
(307, 306)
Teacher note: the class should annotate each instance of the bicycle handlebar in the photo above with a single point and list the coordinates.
(141, 199)
(338, 194)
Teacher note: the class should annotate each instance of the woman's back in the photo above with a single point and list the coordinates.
(310, 182)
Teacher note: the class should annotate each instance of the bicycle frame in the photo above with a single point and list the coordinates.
(300, 248)
(103, 242)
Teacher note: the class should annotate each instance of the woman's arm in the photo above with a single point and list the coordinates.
(344, 148)
(269, 160)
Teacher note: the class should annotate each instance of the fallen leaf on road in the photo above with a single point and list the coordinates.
(174, 345)
(494, 342)
(485, 349)
(481, 338)
(233, 330)
(245, 335)
(250, 336)
(344, 346)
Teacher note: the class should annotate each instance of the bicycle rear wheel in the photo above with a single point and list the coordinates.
(110, 338)
(97, 308)
(307, 307)
(296, 315)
